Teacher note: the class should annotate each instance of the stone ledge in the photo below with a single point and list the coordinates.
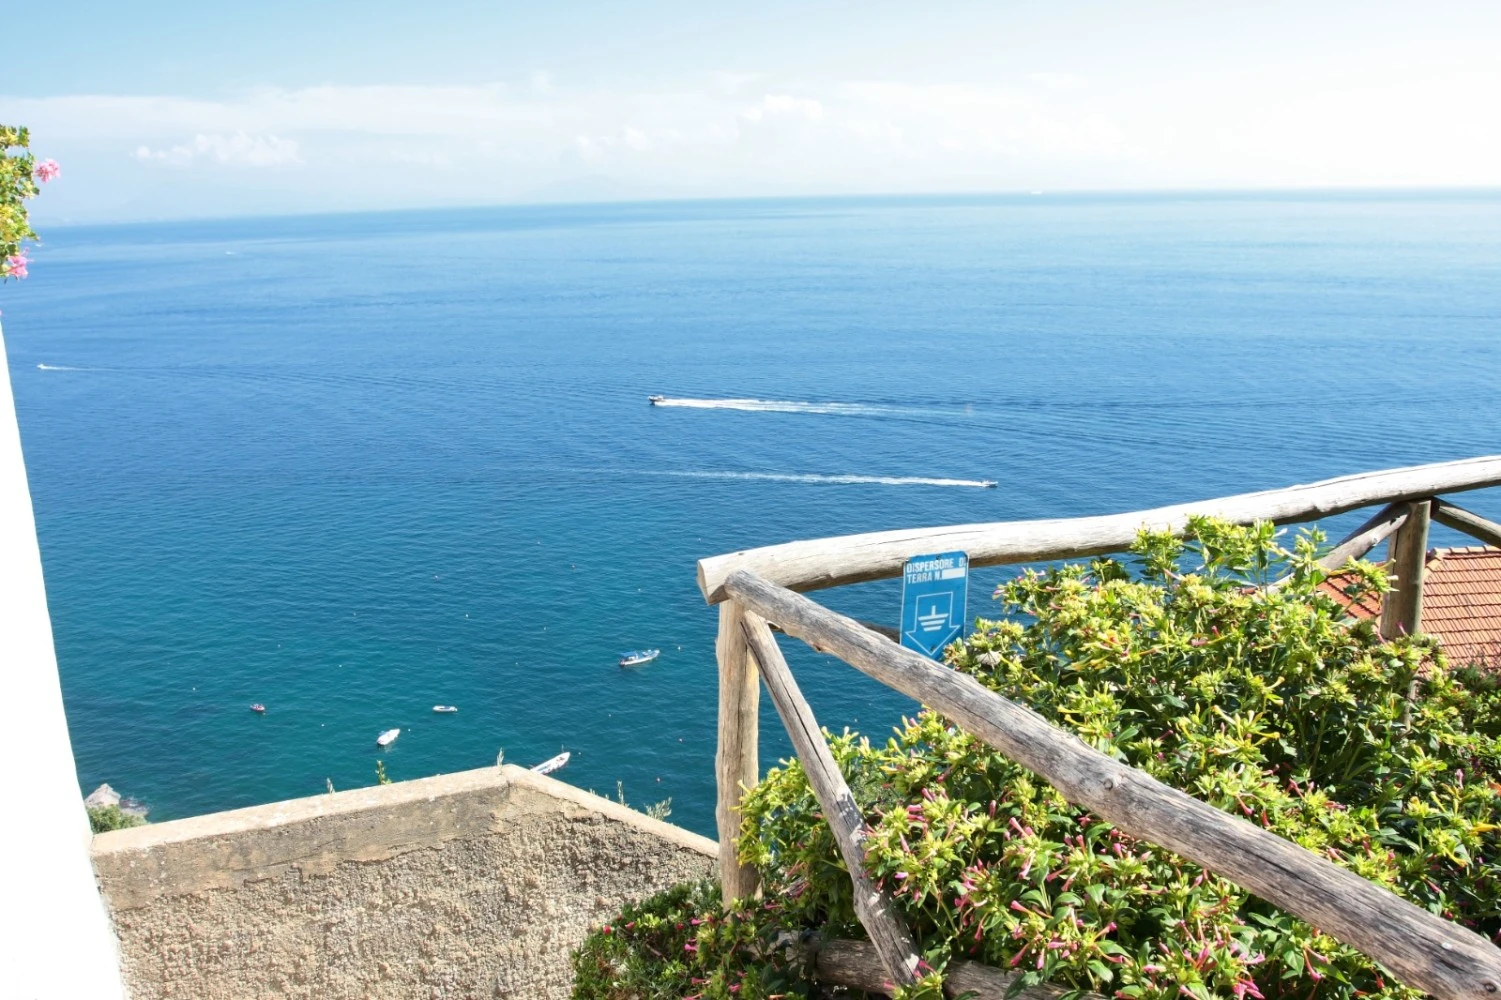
(472, 884)
(314, 834)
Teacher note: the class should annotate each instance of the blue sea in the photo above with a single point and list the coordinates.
(354, 466)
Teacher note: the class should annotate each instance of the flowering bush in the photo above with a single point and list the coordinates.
(1270, 704)
(682, 944)
(20, 175)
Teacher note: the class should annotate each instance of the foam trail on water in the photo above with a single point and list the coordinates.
(58, 368)
(795, 477)
(790, 406)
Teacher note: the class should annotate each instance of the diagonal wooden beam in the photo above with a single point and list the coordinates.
(1452, 516)
(894, 634)
(1358, 542)
(888, 933)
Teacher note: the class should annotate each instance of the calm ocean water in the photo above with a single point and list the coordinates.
(353, 466)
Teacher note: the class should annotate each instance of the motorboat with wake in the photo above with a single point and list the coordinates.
(388, 737)
(654, 400)
(636, 657)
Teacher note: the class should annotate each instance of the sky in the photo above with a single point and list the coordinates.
(171, 109)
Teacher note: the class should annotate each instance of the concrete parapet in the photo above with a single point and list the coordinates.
(476, 884)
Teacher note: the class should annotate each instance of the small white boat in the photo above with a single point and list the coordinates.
(552, 764)
(636, 657)
(445, 709)
(654, 400)
(388, 737)
(989, 484)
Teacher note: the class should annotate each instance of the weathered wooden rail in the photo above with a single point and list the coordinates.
(759, 586)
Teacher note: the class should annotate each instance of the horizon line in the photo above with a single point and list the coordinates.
(1327, 191)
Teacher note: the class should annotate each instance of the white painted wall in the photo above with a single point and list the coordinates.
(55, 938)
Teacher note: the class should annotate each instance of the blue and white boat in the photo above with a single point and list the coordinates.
(636, 657)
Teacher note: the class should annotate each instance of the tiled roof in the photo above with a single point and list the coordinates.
(1461, 603)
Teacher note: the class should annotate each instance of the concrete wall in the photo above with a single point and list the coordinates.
(476, 884)
(54, 936)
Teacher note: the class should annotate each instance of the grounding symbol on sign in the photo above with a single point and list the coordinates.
(934, 595)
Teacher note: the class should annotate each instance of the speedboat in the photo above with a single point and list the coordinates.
(636, 657)
(388, 737)
(654, 400)
(258, 708)
(989, 484)
(552, 763)
(445, 709)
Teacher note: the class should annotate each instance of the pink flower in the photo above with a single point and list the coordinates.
(47, 170)
(16, 265)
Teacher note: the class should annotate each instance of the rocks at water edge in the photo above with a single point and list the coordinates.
(104, 796)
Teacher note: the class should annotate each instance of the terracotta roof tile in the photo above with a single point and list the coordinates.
(1461, 603)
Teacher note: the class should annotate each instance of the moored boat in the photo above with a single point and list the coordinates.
(445, 709)
(552, 763)
(388, 737)
(636, 657)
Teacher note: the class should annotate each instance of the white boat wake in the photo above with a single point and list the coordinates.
(790, 406)
(58, 368)
(793, 477)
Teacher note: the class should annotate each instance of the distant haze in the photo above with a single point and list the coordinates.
(165, 109)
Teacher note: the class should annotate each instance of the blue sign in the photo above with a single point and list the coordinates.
(934, 595)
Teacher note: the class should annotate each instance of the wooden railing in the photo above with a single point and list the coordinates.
(759, 586)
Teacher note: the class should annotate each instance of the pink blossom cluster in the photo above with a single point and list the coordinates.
(16, 265)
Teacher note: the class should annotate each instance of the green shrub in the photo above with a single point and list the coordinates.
(1269, 704)
(102, 819)
(683, 943)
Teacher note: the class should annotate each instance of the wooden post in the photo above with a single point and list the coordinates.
(1422, 949)
(1402, 609)
(873, 905)
(736, 763)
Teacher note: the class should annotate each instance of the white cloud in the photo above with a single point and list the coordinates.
(1057, 81)
(715, 135)
(239, 149)
(784, 104)
(733, 83)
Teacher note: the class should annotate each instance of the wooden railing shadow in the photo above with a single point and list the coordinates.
(759, 587)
